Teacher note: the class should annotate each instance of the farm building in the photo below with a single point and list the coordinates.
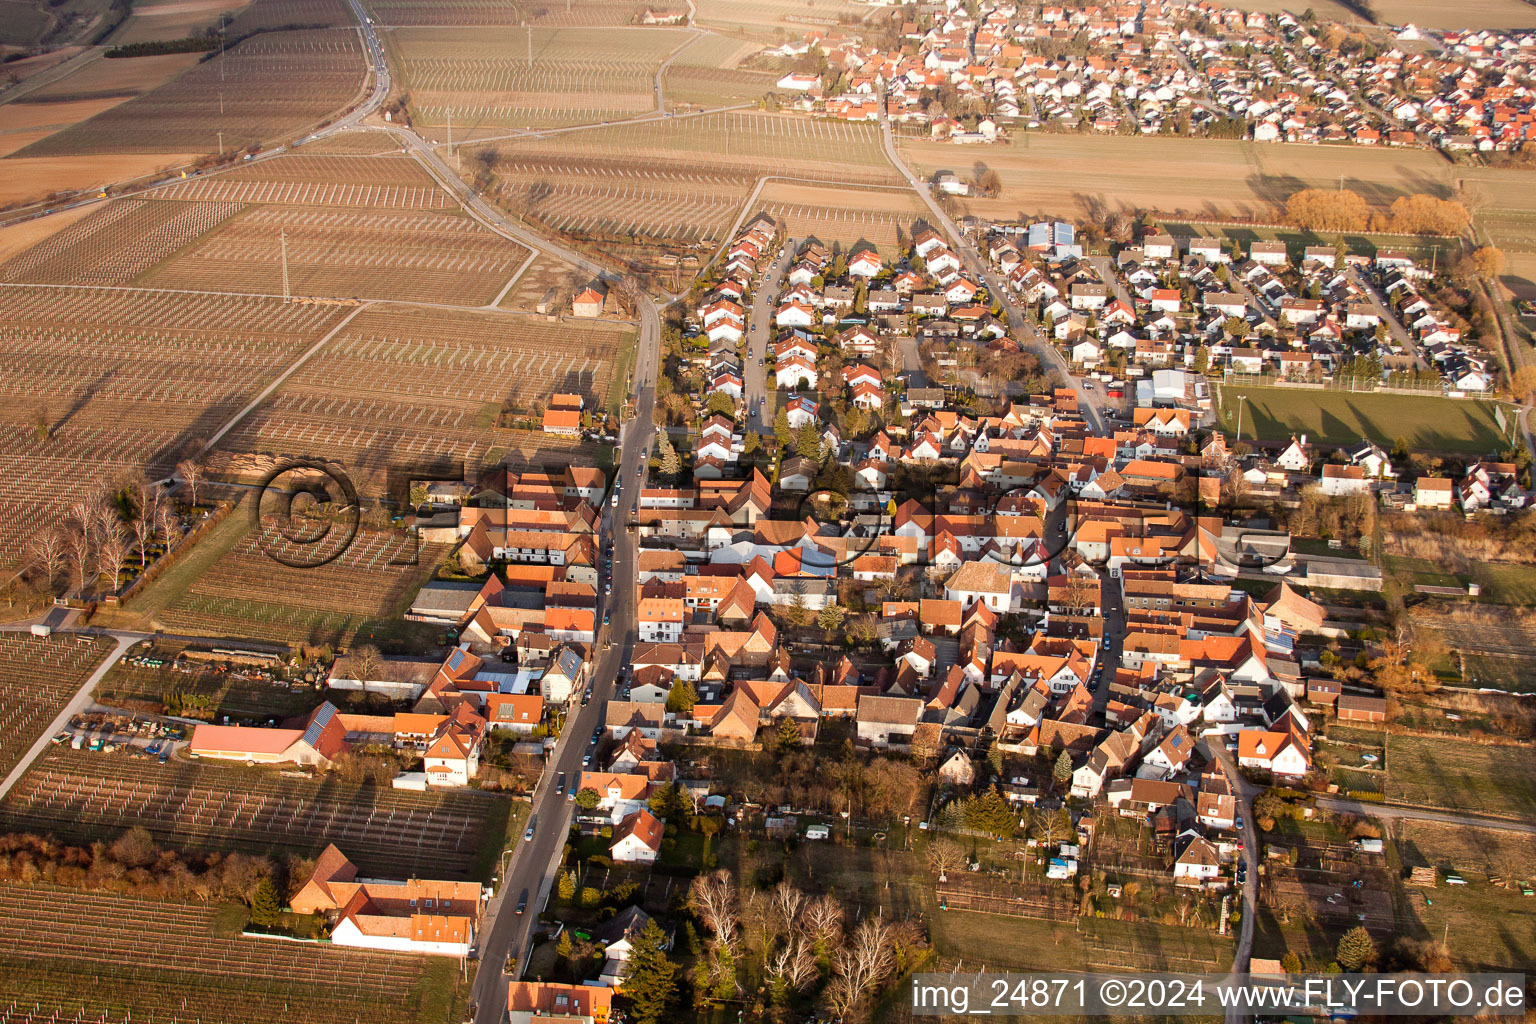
(588, 302)
(416, 916)
(317, 743)
(1361, 709)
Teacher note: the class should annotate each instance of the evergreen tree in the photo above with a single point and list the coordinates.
(682, 697)
(568, 887)
(671, 464)
(651, 984)
(995, 759)
(1063, 769)
(781, 428)
(1356, 949)
(808, 443)
(788, 734)
(266, 910)
(752, 443)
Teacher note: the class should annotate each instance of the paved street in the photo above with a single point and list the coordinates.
(1052, 363)
(760, 334)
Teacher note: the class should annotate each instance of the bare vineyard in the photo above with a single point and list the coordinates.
(388, 182)
(117, 244)
(37, 679)
(504, 12)
(574, 77)
(344, 253)
(164, 369)
(660, 204)
(249, 593)
(399, 384)
(727, 144)
(881, 228)
(274, 14)
(204, 806)
(120, 957)
(267, 87)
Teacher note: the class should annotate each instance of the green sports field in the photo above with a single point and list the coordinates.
(1428, 422)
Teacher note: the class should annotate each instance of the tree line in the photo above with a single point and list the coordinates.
(1321, 209)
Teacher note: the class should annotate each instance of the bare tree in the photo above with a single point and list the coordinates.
(166, 524)
(45, 554)
(822, 921)
(190, 473)
(80, 550)
(861, 964)
(794, 962)
(713, 898)
(784, 905)
(944, 856)
(145, 504)
(111, 553)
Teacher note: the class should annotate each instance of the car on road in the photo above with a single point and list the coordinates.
(528, 833)
(640, 470)
(1239, 823)
(571, 794)
(586, 760)
(522, 902)
(606, 617)
(560, 782)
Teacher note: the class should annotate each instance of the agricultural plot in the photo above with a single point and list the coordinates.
(485, 76)
(149, 20)
(737, 143)
(388, 833)
(1080, 175)
(93, 86)
(1463, 776)
(270, 15)
(545, 273)
(679, 184)
(398, 385)
(164, 370)
(248, 592)
(156, 959)
(504, 12)
(1428, 422)
(267, 87)
(389, 182)
(429, 256)
(846, 216)
(763, 18)
(117, 243)
(1505, 216)
(709, 72)
(37, 679)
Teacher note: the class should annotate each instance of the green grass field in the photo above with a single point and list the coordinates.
(1461, 775)
(1426, 422)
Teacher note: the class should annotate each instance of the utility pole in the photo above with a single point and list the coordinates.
(1241, 399)
(221, 143)
(1434, 258)
(530, 43)
(283, 240)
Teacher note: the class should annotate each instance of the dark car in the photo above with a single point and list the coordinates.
(522, 902)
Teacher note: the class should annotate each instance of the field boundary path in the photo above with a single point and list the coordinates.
(303, 358)
(76, 704)
(1412, 813)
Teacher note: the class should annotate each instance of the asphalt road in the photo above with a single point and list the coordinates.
(1051, 360)
(1244, 791)
(754, 374)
